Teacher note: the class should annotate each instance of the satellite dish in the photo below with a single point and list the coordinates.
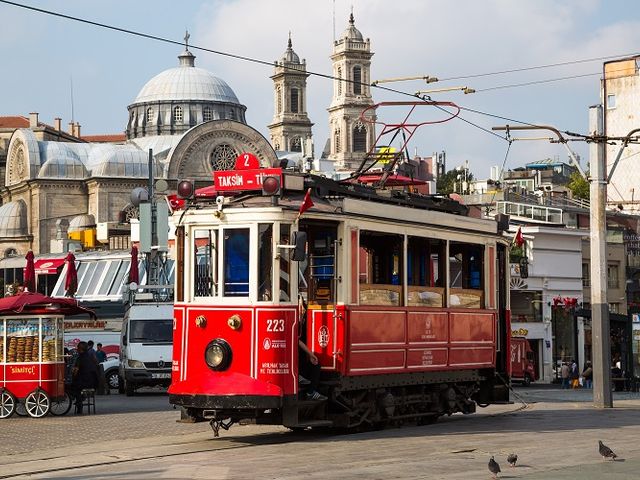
(139, 195)
(161, 185)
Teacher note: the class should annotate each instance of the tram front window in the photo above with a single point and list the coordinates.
(236, 262)
(205, 279)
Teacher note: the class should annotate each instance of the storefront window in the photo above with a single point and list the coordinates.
(564, 337)
(526, 306)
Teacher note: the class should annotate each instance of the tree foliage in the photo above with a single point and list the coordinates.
(449, 183)
(579, 186)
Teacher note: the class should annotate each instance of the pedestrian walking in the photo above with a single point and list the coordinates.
(564, 372)
(587, 375)
(101, 355)
(575, 375)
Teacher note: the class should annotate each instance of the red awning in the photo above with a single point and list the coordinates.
(48, 266)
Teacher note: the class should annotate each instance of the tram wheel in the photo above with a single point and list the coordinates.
(61, 405)
(37, 403)
(7, 403)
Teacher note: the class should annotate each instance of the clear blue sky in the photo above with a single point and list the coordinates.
(40, 54)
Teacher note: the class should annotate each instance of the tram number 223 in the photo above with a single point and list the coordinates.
(275, 325)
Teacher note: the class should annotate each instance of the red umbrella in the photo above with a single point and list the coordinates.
(134, 273)
(71, 281)
(30, 273)
(37, 303)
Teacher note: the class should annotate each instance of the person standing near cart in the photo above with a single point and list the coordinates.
(85, 374)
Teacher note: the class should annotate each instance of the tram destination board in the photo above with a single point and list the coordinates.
(233, 180)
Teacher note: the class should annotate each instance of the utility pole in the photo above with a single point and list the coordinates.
(601, 344)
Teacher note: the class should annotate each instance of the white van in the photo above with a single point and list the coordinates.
(146, 346)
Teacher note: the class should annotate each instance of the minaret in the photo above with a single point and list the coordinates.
(350, 138)
(290, 129)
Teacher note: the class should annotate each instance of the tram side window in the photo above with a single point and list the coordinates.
(466, 275)
(380, 268)
(236, 262)
(205, 274)
(425, 272)
(265, 262)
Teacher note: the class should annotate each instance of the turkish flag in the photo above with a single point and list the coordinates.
(307, 203)
(519, 239)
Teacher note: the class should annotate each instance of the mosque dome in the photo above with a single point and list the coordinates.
(352, 33)
(180, 98)
(186, 82)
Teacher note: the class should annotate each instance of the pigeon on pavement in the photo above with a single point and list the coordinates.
(512, 459)
(494, 468)
(605, 451)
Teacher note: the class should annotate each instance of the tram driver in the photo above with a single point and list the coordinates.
(308, 365)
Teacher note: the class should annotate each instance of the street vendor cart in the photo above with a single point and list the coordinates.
(32, 364)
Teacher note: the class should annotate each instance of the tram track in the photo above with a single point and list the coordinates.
(27, 468)
(137, 451)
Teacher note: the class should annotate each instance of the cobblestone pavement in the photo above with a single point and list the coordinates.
(555, 437)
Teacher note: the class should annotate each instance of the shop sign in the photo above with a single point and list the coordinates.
(85, 325)
(521, 332)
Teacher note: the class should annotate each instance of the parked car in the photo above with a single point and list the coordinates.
(111, 373)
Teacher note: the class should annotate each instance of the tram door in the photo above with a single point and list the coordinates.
(318, 273)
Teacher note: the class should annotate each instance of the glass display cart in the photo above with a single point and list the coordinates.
(32, 363)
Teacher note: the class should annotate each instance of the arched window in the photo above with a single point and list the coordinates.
(336, 140)
(359, 137)
(339, 75)
(177, 114)
(357, 80)
(296, 145)
(295, 106)
(278, 99)
(11, 252)
(149, 115)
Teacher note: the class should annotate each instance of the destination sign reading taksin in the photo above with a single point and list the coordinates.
(229, 180)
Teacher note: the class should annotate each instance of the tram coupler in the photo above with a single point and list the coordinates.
(217, 424)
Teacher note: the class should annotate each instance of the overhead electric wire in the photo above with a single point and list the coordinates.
(539, 67)
(536, 82)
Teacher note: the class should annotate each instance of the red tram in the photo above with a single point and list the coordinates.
(408, 303)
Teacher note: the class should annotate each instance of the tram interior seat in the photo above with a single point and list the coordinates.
(466, 298)
(420, 296)
(380, 294)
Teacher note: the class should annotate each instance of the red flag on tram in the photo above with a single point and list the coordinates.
(307, 203)
(518, 239)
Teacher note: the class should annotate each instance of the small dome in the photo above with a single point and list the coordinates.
(352, 32)
(186, 82)
(289, 55)
(82, 222)
(120, 161)
(69, 168)
(13, 219)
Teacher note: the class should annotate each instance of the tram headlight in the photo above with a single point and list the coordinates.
(218, 354)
